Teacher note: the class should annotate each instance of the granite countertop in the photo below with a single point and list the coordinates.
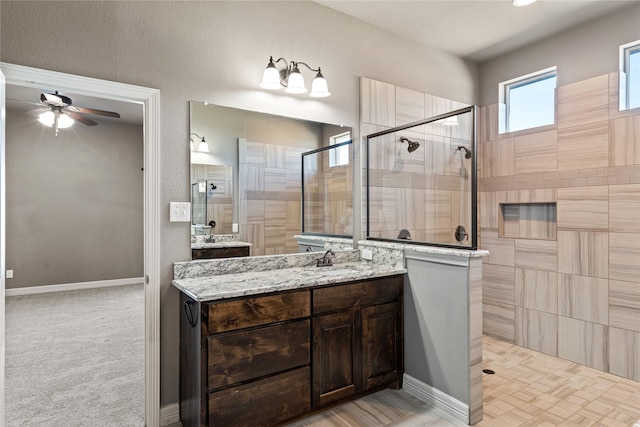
(222, 286)
(221, 244)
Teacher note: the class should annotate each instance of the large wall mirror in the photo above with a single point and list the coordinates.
(246, 174)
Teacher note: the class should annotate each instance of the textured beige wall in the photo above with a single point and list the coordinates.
(580, 53)
(216, 52)
(74, 202)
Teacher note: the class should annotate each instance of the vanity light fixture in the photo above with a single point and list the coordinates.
(292, 80)
(202, 145)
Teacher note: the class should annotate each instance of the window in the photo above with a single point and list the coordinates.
(630, 75)
(339, 156)
(528, 101)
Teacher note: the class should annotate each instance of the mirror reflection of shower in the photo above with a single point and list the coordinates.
(412, 145)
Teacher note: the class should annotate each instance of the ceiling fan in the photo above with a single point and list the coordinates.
(61, 113)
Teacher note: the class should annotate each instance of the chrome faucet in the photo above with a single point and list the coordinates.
(326, 260)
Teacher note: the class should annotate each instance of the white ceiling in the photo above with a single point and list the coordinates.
(475, 29)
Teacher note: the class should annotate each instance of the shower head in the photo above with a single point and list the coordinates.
(413, 145)
(467, 152)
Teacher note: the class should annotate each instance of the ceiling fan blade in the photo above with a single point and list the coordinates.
(79, 117)
(97, 112)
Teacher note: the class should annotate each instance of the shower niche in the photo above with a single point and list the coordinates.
(421, 182)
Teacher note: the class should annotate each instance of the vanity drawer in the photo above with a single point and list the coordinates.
(376, 291)
(248, 312)
(240, 356)
(266, 402)
(211, 253)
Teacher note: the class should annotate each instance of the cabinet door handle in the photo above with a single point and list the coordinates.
(189, 314)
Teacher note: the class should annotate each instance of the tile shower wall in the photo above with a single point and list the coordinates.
(575, 296)
(423, 191)
(269, 189)
(219, 201)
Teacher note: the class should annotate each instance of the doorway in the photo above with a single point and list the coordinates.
(149, 99)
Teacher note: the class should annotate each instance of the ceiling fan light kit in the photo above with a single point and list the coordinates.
(62, 114)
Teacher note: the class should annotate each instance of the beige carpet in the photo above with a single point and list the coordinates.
(75, 358)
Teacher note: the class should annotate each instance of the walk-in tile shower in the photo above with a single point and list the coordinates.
(421, 181)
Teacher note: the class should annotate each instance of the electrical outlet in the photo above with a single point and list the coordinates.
(367, 254)
(9, 274)
(180, 212)
(234, 227)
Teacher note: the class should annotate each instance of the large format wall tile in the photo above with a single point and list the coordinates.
(583, 208)
(624, 141)
(537, 290)
(537, 330)
(537, 254)
(584, 253)
(624, 256)
(584, 298)
(536, 153)
(498, 158)
(378, 102)
(501, 250)
(583, 147)
(497, 282)
(624, 305)
(409, 106)
(498, 320)
(624, 208)
(624, 353)
(583, 342)
(583, 102)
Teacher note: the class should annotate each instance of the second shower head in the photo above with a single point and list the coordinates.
(467, 152)
(412, 145)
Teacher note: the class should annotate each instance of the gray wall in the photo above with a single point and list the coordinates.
(585, 51)
(74, 202)
(216, 52)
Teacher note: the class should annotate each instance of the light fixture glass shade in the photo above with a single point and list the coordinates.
(295, 83)
(48, 118)
(521, 3)
(203, 146)
(319, 88)
(271, 78)
(450, 121)
(64, 121)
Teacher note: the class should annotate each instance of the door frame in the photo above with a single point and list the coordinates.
(149, 98)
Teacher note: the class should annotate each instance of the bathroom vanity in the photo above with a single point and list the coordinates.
(220, 250)
(264, 348)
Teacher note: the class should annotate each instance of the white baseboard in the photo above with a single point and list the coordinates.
(169, 414)
(442, 401)
(73, 286)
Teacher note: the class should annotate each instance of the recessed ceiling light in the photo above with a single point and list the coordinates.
(521, 3)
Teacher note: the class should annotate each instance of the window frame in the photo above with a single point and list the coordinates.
(626, 50)
(504, 96)
(338, 139)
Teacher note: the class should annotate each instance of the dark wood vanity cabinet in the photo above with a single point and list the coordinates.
(357, 339)
(268, 359)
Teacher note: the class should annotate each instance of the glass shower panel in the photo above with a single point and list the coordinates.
(327, 191)
(421, 182)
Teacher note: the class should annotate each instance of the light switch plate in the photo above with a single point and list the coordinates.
(234, 228)
(180, 212)
(9, 274)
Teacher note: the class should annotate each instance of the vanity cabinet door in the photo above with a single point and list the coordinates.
(382, 345)
(334, 357)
